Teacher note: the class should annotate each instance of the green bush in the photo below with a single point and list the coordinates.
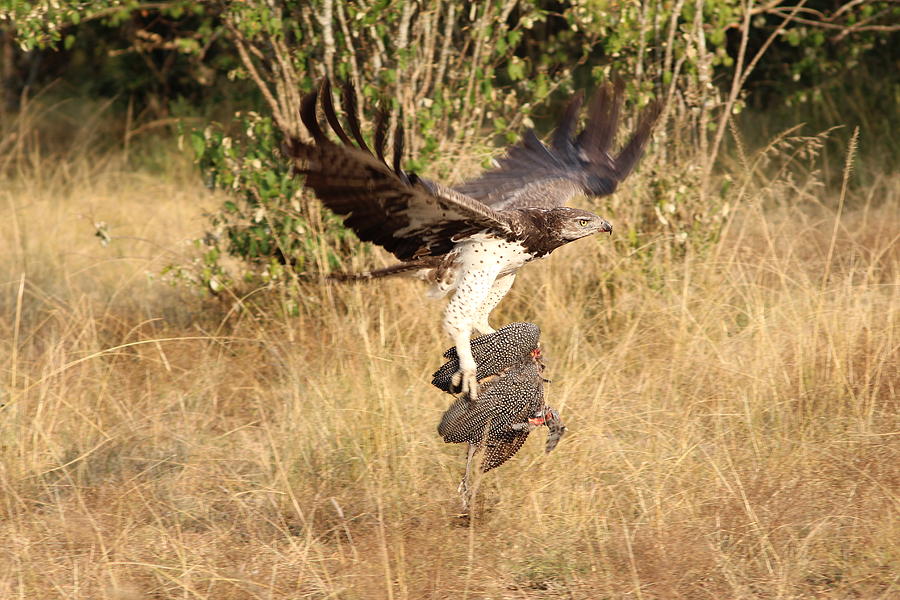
(267, 224)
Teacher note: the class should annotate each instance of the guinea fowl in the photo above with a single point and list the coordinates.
(511, 403)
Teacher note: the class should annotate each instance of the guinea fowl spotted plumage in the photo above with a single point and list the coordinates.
(510, 404)
(475, 238)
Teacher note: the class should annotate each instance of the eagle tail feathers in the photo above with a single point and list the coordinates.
(403, 268)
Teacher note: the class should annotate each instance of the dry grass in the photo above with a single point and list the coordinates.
(732, 413)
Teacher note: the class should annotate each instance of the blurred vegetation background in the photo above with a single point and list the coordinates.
(466, 77)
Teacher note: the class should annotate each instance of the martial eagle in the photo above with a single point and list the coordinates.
(475, 237)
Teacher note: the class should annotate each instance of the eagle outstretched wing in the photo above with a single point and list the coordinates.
(408, 216)
(533, 174)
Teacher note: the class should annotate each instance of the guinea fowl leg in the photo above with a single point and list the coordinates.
(464, 490)
(459, 320)
(469, 484)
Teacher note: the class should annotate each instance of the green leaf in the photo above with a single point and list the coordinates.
(198, 144)
(515, 69)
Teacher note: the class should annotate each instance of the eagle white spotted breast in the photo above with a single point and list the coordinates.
(471, 239)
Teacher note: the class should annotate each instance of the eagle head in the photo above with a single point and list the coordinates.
(570, 224)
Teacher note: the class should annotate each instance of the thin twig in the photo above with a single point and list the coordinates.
(429, 26)
(240, 44)
(762, 50)
(291, 97)
(732, 96)
(481, 40)
(351, 47)
(449, 21)
(704, 79)
(326, 21)
(740, 77)
(845, 8)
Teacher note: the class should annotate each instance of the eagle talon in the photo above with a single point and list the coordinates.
(465, 382)
(455, 380)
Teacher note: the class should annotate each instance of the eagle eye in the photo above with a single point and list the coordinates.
(584, 222)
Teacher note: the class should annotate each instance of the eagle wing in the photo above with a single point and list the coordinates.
(408, 216)
(533, 174)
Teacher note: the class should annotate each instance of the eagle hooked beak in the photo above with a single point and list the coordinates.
(605, 227)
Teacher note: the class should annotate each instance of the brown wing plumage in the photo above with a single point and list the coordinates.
(407, 216)
(533, 174)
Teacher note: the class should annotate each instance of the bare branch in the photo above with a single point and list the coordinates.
(732, 96)
(670, 40)
(740, 77)
(704, 78)
(827, 21)
(481, 41)
(351, 47)
(429, 26)
(241, 44)
(843, 28)
(762, 50)
(290, 97)
(846, 7)
(326, 20)
(449, 21)
(861, 26)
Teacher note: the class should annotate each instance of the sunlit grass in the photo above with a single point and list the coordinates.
(732, 413)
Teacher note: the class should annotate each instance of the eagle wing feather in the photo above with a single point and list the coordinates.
(407, 216)
(532, 174)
